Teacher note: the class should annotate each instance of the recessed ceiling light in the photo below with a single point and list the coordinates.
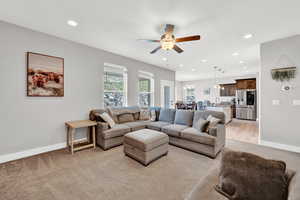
(248, 36)
(204, 60)
(242, 62)
(235, 54)
(72, 23)
(193, 70)
(181, 65)
(164, 59)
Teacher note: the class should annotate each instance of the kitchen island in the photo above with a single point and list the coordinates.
(226, 109)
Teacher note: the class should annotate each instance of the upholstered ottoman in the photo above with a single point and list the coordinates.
(146, 145)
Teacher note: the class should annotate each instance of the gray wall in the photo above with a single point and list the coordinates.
(32, 122)
(280, 123)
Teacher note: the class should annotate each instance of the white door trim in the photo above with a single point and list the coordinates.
(171, 84)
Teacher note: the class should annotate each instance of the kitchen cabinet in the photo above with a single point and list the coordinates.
(228, 90)
(246, 84)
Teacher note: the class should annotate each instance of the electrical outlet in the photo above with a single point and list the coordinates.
(275, 102)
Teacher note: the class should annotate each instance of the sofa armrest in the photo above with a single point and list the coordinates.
(294, 188)
(102, 126)
(219, 132)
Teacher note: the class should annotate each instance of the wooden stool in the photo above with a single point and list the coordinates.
(72, 126)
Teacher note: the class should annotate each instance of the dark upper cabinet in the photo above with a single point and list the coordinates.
(246, 84)
(228, 90)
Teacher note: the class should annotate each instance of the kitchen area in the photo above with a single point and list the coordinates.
(237, 98)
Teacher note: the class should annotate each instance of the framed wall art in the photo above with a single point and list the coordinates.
(45, 75)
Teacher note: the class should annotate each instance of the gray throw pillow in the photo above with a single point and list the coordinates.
(201, 125)
(184, 117)
(167, 115)
(248, 176)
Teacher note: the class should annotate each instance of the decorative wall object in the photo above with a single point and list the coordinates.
(283, 74)
(45, 75)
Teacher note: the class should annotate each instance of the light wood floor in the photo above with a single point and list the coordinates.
(243, 130)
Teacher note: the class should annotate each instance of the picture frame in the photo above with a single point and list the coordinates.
(45, 75)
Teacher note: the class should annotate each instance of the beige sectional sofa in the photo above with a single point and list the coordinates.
(179, 125)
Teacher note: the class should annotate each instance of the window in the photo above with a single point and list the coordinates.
(146, 89)
(189, 93)
(115, 85)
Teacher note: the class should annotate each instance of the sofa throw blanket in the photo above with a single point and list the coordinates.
(245, 176)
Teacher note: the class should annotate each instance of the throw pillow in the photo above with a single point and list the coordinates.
(136, 116)
(112, 113)
(212, 122)
(152, 115)
(126, 117)
(201, 125)
(145, 115)
(108, 119)
(248, 176)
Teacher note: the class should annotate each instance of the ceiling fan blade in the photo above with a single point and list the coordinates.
(189, 38)
(149, 40)
(169, 28)
(155, 50)
(178, 49)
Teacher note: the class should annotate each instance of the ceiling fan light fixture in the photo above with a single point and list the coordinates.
(167, 42)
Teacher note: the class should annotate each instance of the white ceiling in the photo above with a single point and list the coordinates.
(115, 26)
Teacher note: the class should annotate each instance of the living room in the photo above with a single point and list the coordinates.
(89, 94)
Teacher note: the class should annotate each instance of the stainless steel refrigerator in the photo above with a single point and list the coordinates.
(246, 104)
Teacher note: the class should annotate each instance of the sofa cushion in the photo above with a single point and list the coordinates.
(167, 115)
(248, 176)
(146, 139)
(126, 117)
(174, 129)
(116, 131)
(184, 117)
(115, 111)
(204, 115)
(136, 116)
(157, 111)
(137, 125)
(107, 118)
(145, 115)
(195, 135)
(157, 125)
(201, 125)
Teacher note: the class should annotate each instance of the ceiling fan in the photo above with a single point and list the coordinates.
(168, 40)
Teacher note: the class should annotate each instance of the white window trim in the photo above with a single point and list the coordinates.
(150, 76)
(185, 88)
(109, 67)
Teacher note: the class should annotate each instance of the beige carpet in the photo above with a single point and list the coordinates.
(109, 175)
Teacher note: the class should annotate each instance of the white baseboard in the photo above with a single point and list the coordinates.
(32, 152)
(280, 146)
